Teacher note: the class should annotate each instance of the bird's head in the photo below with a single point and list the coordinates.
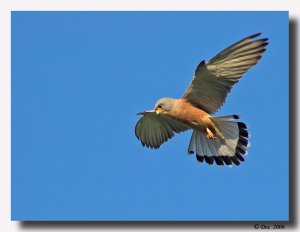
(164, 105)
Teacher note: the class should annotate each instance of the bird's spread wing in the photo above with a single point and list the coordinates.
(214, 80)
(153, 130)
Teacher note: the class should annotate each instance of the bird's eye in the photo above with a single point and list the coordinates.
(159, 106)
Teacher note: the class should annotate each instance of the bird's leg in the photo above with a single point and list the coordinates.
(209, 134)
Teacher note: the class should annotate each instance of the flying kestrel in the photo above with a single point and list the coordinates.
(214, 139)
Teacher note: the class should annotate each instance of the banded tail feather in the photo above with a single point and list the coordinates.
(227, 151)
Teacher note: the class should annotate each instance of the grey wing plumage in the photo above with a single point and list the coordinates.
(214, 80)
(153, 130)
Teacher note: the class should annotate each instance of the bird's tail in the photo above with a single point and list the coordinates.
(228, 150)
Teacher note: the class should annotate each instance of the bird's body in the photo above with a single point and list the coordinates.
(195, 118)
(214, 139)
(186, 113)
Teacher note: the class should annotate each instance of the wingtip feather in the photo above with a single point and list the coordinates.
(254, 35)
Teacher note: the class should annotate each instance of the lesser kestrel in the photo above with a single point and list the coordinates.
(219, 139)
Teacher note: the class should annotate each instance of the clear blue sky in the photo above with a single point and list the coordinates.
(78, 80)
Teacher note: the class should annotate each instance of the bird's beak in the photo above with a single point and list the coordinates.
(145, 112)
(158, 110)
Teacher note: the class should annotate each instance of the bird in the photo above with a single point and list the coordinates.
(221, 140)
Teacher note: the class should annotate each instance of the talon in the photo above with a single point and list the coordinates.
(209, 134)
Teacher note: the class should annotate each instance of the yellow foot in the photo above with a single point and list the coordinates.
(209, 134)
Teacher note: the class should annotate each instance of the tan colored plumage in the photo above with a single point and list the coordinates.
(214, 139)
